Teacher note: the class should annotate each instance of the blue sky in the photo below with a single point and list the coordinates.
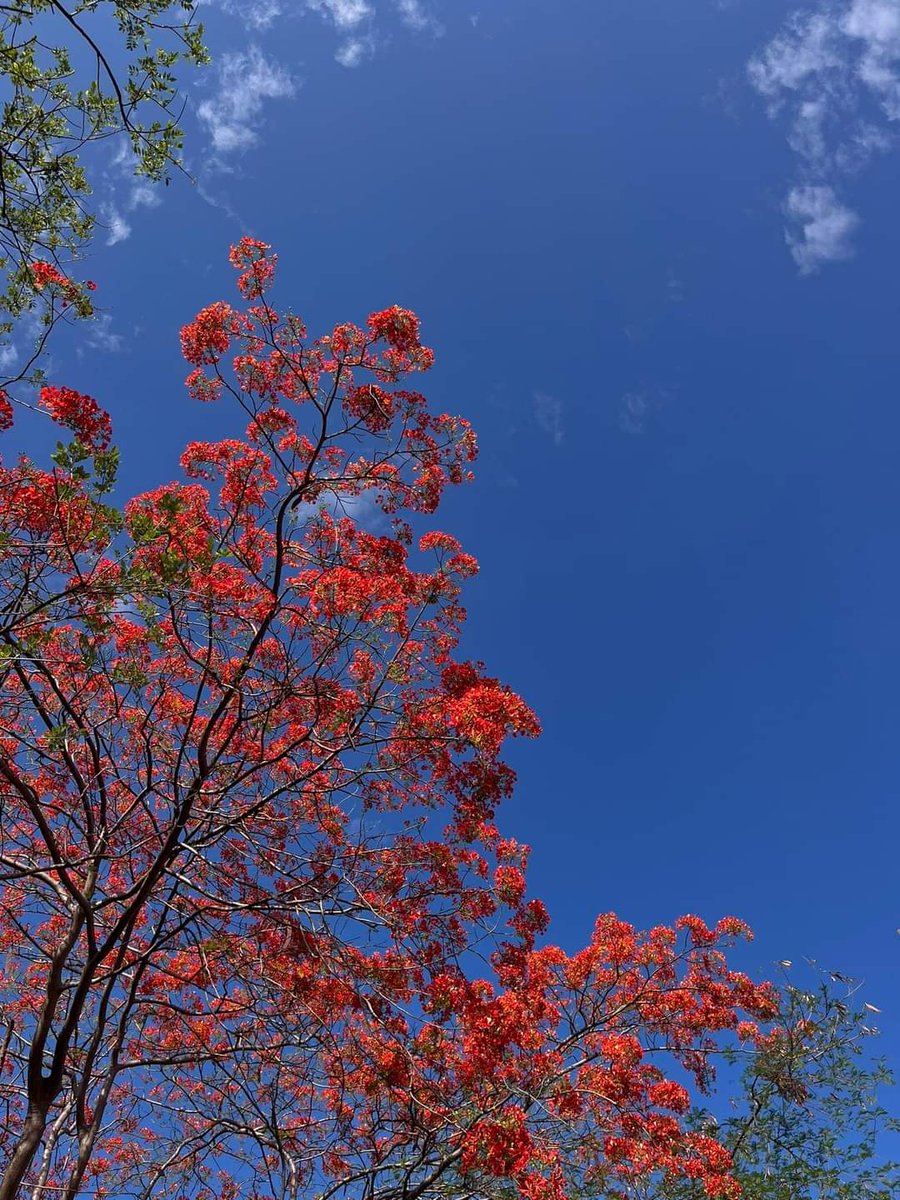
(656, 248)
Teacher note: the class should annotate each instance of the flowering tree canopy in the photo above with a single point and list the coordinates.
(261, 935)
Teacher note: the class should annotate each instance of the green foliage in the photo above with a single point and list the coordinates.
(808, 1122)
(82, 463)
(77, 75)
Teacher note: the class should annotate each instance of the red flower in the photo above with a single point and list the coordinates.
(82, 414)
(207, 337)
(44, 274)
(6, 412)
(256, 266)
(397, 326)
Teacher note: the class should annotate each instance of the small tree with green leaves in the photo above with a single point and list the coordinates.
(75, 75)
(808, 1121)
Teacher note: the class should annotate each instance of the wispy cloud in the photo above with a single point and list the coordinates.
(831, 76)
(219, 200)
(143, 194)
(232, 115)
(363, 509)
(355, 20)
(100, 335)
(548, 413)
(876, 26)
(345, 14)
(127, 194)
(253, 14)
(636, 409)
(117, 228)
(355, 50)
(414, 14)
(821, 228)
(633, 409)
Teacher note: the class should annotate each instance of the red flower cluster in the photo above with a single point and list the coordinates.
(397, 326)
(208, 336)
(44, 274)
(371, 405)
(257, 267)
(47, 275)
(82, 414)
(6, 412)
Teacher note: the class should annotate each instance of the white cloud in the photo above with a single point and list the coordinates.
(633, 410)
(805, 49)
(548, 412)
(808, 136)
(363, 509)
(100, 335)
(117, 228)
(860, 146)
(245, 81)
(637, 408)
(219, 201)
(414, 14)
(833, 77)
(354, 51)
(349, 16)
(355, 19)
(254, 14)
(825, 227)
(875, 24)
(346, 14)
(9, 356)
(126, 194)
(143, 195)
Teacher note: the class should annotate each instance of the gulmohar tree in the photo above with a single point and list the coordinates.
(261, 935)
